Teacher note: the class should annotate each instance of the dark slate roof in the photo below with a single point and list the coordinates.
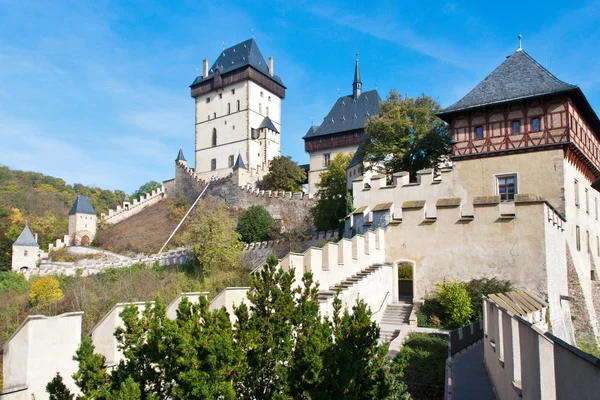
(26, 238)
(180, 156)
(82, 205)
(239, 163)
(239, 56)
(518, 77)
(126, 199)
(267, 123)
(311, 130)
(356, 158)
(348, 114)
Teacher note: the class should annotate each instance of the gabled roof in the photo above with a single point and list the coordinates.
(180, 156)
(239, 163)
(267, 123)
(82, 205)
(239, 56)
(348, 114)
(518, 77)
(26, 238)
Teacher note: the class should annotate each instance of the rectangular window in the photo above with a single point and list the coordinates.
(231, 161)
(587, 240)
(535, 124)
(577, 238)
(326, 159)
(269, 98)
(238, 105)
(25, 253)
(587, 201)
(267, 111)
(208, 117)
(213, 164)
(260, 108)
(576, 188)
(208, 99)
(516, 127)
(232, 91)
(214, 115)
(228, 108)
(507, 187)
(262, 94)
(220, 95)
(479, 132)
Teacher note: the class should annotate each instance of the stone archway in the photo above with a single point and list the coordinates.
(406, 281)
(85, 240)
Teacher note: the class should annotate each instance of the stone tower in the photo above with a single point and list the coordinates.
(25, 251)
(82, 222)
(238, 111)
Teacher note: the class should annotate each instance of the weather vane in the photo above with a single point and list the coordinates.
(520, 44)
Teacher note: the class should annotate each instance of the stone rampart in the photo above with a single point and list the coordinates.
(127, 209)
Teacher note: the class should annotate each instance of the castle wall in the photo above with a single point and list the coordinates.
(41, 347)
(128, 209)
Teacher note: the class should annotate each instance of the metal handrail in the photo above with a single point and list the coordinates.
(383, 301)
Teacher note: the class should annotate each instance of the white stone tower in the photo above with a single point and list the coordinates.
(25, 251)
(82, 222)
(238, 111)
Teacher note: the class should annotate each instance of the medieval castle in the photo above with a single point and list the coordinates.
(517, 200)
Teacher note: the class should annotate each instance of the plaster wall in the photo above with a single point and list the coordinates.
(41, 341)
(103, 334)
(317, 164)
(230, 298)
(81, 225)
(192, 297)
(20, 260)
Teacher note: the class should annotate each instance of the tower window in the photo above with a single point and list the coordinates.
(213, 164)
(262, 94)
(267, 111)
(232, 91)
(516, 127)
(576, 188)
(214, 137)
(326, 159)
(535, 124)
(228, 108)
(214, 115)
(208, 117)
(220, 95)
(479, 132)
(577, 238)
(507, 187)
(260, 108)
(587, 201)
(208, 99)
(238, 105)
(231, 161)
(25, 253)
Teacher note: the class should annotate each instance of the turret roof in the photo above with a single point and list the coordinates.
(268, 123)
(239, 163)
(241, 55)
(348, 114)
(82, 205)
(180, 156)
(26, 238)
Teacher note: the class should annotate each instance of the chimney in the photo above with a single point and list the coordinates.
(271, 71)
(205, 71)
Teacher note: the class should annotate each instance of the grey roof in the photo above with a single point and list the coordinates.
(311, 131)
(26, 238)
(126, 199)
(356, 73)
(348, 114)
(267, 123)
(239, 56)
(239, 163)
(356, 158)
(82, 205)
(518, 77)
(180, 156)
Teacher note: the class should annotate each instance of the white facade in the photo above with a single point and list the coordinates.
(229, 115)
(318, 163)
(25, 257)
(82, 228)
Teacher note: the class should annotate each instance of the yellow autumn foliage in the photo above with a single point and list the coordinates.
(45, 291)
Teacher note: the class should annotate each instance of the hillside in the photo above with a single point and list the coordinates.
(44, 201)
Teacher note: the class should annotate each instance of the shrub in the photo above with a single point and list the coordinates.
(255, 224)
(455, 301)
(13, 281)
(405, 272)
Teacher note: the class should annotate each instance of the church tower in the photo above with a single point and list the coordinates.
(238, 111)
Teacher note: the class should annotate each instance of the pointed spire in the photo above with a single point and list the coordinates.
(357, 84)
(26, 238)
(239, 163)
(180, 156)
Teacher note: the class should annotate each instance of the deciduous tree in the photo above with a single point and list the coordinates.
(284, 174)
(255, 224)
(405, 136)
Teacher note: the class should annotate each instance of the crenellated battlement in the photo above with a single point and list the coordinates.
(127, 209)
(276, 194)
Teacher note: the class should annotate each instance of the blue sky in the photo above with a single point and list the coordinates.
(97, 92)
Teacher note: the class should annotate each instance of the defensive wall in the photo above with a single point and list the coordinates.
(525, 361)
(353, 268)
(127, 209)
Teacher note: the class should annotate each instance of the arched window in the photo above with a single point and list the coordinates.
(214, 137)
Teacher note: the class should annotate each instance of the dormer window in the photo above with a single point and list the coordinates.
(479, 132)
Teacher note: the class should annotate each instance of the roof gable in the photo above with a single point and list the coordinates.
(26, 238)
(268, 123)
(518, 77)
(239, 163)
(348, 114)
(241, 55)
(82, 205)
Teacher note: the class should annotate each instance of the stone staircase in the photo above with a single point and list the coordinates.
(324, 295)
(395, 316)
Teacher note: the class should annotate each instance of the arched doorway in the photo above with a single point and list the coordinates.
(405, 279)
(85, 240)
